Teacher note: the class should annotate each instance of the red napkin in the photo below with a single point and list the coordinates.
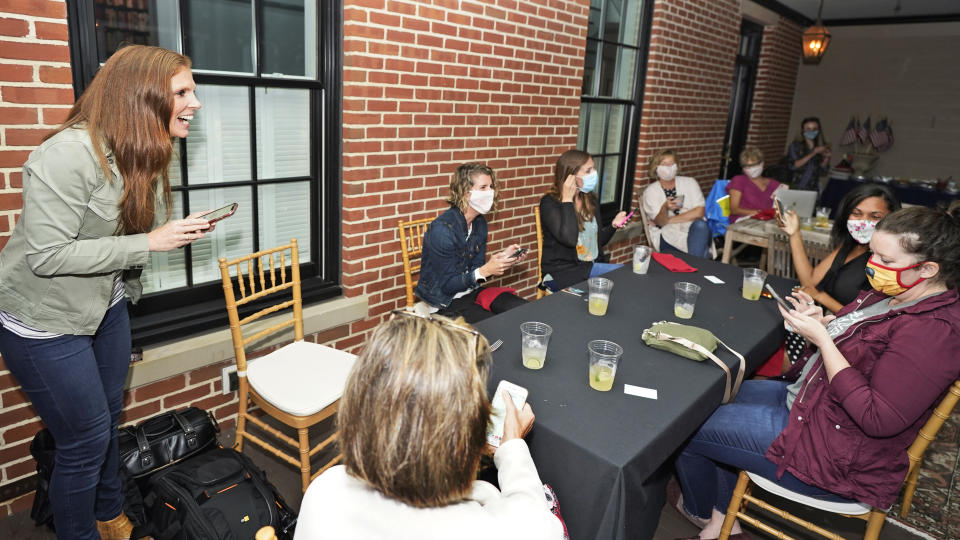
(765, 215)
(488, 295)
(672, 263)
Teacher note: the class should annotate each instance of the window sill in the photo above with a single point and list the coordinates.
(165, 360)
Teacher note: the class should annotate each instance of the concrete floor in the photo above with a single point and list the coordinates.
(672, 525)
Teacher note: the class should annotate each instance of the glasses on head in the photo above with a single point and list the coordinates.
(442, 322)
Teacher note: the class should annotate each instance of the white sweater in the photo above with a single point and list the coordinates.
(339, 506)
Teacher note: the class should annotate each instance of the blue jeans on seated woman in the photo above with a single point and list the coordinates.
(698, 240)
(736, 436)
(76, 385)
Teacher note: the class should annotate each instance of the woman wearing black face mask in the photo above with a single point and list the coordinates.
(809, 155)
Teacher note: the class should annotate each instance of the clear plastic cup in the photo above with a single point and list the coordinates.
(641, 259)
(753, 279)
(684, 299)
(604, 356)
(534, 338)
(599, 297)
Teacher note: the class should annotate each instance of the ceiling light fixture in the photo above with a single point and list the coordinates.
(815, 40)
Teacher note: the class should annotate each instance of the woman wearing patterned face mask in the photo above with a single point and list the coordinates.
(809, 155)
(454, 266)
(869, 381)
(573, 238)
(675, 206)
(839, 277)
(751, 192)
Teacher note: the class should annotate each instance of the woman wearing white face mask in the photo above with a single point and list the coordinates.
(839, 277)
(751, 192)
(675, 206)
(573, 237)
(454, 266)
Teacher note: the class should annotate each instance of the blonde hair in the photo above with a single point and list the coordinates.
(657, 158)
(463, 180)
(414, 411)
(751, 153)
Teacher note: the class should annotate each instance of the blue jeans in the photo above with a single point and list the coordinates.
(599, 268)
(698, 240)
(76, 385)
(736, 436)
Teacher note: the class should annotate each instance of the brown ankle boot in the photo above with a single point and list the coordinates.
(118, 528)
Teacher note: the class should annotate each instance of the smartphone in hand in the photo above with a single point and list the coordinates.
(518, 253)
(214, 216)
(498, 410)
(777, 297)
(780, 211)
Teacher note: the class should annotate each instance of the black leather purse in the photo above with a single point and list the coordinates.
(165, 439)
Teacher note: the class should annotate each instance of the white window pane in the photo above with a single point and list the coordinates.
(626, 72)
(608, 179)
(232, 237)
(285, 214)
(290, 38)
(218, 148)
(598, 117)
(615, 129)
(630, 26)
(219, 34)
(166, 269)
(283, 132)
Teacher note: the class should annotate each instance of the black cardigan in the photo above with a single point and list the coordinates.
(560, 232)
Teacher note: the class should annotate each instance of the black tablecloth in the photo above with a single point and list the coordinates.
(836, 188)
(599, 449)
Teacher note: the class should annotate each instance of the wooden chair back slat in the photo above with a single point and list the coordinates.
(411, 251)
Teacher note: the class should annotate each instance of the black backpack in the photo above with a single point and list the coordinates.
(216, 495)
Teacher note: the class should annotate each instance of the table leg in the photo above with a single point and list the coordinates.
(727, 247)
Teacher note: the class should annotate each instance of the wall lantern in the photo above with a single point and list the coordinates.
(815, 40)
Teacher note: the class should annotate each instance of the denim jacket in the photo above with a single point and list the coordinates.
(450, 257)
(56, 272)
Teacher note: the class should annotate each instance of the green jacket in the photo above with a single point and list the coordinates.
(56, 272)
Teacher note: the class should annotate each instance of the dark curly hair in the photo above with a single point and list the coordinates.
(931, 234)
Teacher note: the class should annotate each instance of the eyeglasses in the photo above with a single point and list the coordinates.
(442, 322)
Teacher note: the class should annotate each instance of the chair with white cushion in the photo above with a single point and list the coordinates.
(298, 384)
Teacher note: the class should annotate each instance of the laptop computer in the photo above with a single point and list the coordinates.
(801, 202)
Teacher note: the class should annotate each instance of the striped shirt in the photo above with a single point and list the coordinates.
(18, 327)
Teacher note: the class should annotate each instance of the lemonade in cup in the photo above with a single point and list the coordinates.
(753, 279)
(534, 338)
(604, 356)
(599, 297)
(684, 299)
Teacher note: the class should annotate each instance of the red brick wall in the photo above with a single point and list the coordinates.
(428, 87)
(773, 93)
(693, 46)
(35, 95)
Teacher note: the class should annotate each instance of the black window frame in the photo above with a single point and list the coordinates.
(180, 312)
(633, 114)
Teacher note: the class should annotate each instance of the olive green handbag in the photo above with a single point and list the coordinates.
(696, 344)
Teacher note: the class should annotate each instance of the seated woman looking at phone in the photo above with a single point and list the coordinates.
(675, 207)
(573, 238)
(839, 277)
(862, 392)
(454, 266)
(413, 422)
(751, 192)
